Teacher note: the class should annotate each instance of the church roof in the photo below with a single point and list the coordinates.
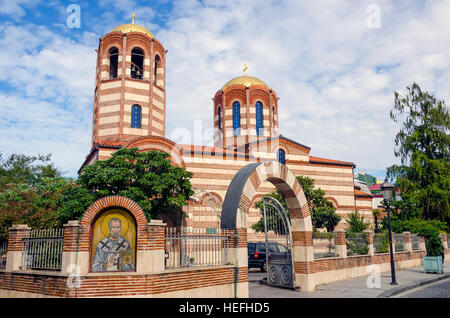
(330, 161)
(245, 80)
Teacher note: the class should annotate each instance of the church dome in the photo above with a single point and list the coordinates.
(131, 27)
(245, 80)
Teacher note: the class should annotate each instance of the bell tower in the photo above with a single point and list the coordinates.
(245, 110)
(130, 95)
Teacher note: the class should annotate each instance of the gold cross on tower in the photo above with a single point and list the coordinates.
(245, 69)
(132, 18)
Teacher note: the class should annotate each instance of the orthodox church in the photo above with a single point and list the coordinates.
(130, 111)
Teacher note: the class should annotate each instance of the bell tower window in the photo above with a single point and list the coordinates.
(155, 70)
(113, 62)
(259, 118)
(236, 119)
(136, 116)
(137, 63)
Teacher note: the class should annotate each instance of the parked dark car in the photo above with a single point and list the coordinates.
(257, 254)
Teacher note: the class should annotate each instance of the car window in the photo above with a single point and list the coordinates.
(262, 247)
(282, 248)
(273, 248)
(251, 247)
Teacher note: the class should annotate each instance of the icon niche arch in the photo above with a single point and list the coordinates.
(242, 189)
(97, 221)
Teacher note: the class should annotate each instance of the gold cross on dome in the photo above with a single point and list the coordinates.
(132, 18)
(245, 69)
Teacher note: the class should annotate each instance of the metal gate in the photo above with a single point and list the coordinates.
(279, 262)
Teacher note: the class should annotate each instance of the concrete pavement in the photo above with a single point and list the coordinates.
(352, 288)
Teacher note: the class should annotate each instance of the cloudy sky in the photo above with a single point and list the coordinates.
(334, 65)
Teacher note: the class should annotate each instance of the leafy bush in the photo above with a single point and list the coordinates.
(384, 247)
(414, 225)
(356, 223)
(433, 241)
(355, 246)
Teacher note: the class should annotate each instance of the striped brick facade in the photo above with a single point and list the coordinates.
(247, 98)
(115, 96)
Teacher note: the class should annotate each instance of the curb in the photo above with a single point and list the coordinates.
(401, 289)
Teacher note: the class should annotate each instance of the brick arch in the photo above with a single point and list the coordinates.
(244, 186)
(110, 202)
(334, 201)
(214, 194)
(147, 143)
(114, 201)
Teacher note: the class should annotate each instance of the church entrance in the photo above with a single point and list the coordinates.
(278, 235)
(288, 238)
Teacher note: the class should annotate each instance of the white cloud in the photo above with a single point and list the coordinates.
(335, 77)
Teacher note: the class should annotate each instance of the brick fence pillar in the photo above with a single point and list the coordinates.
(340, 243)
(407, 241)
(444, 240)
(14, 257)
(370, 242)
(422, 245)
(150, 257)
(72, 261)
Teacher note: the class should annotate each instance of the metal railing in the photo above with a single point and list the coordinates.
(323, 245)
(381, 242)
(415, 242)
(196, 247)
(43, 250)
(399, 241)
(356, 244)
(3, 253)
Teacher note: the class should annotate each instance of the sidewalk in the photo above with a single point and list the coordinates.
(353, 288)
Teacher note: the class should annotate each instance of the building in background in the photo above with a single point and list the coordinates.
(130, 111)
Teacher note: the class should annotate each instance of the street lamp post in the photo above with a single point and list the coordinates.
(388, 189)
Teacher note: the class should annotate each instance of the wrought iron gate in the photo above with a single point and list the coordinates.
(279, 262)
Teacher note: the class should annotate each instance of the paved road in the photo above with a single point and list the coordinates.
(439, 289)
(351, 288)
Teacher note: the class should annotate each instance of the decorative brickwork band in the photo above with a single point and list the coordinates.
(71, 236)
(16, 233)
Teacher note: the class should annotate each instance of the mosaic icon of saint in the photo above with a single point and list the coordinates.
(113, 253)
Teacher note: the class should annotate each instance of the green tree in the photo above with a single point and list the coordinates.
(356, 222)
(30, 190)
(149, 178)
(423, 145)
(23, 169)
(323, 213)
(36, 205)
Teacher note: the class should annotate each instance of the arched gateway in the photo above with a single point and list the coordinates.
(244, 186)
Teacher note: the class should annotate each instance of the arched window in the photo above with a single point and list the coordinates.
(259, 118)
(136, 112)
(236, 118)
(137, 63)
(219, 113)
(113, 62)
(155, 70)
(281, 156)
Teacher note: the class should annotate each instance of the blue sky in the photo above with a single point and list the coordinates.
(334, 72)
